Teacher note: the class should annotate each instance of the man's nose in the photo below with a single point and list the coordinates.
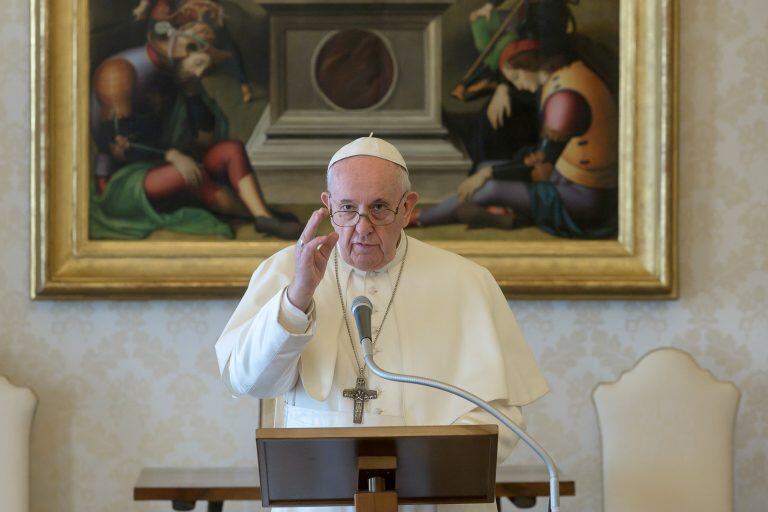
(364, 226)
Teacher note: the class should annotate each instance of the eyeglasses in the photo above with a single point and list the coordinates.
(378, 215)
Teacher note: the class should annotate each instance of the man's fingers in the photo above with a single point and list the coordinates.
(316, 242)
(312, 224)
(492, 114)
(493, 117)
(322, 246)
(326, 246)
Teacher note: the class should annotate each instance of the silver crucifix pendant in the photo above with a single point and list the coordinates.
(360, 395)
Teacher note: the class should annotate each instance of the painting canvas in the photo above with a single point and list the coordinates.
(528, 104)
(206, 126)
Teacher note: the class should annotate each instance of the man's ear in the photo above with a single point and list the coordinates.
(325, 197)
(409, 205)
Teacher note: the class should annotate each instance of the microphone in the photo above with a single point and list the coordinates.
(361, 310)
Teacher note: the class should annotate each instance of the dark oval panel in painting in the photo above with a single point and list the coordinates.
(354, 69)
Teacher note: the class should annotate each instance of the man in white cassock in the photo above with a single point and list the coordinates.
(435, 314)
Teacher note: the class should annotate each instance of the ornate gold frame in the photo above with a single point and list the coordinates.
(642, 263)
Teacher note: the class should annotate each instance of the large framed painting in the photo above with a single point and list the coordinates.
(176, 144)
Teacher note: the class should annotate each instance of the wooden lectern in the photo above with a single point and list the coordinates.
(377, 468)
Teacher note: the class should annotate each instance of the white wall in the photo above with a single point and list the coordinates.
(128, 384)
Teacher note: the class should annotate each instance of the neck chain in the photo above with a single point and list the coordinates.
(361, 368)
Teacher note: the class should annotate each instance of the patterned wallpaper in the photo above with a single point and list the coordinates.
(128, 384)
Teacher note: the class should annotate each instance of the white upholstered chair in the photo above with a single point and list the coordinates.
(667, 437)
(17, 407)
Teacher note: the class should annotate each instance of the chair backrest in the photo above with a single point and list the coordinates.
(17, 407)
(667, 437)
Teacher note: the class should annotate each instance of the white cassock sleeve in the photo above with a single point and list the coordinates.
(264, 361)
(507, 438)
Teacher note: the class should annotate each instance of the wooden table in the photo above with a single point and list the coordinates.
(183, 487)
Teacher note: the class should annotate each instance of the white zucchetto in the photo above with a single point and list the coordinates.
(369, 146)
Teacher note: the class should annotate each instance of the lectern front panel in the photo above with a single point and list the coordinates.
(454, 464)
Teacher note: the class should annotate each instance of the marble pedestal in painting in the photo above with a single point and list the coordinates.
(342, 69)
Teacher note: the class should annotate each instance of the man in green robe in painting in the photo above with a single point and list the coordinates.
(566, 184)
(163, 157)
(508, 119)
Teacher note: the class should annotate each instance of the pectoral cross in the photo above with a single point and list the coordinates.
(360, 395)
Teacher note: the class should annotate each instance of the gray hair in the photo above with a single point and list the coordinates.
(403, 177)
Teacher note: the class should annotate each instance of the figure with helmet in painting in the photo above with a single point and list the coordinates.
(567, 183)
(164, 159)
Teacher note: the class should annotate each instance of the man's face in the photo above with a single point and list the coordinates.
(522, 79)
(193, 66)
(367, 184)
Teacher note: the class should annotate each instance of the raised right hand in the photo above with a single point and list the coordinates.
(311, 260)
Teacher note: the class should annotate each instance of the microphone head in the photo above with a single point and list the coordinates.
(361, 310)
(361, 301)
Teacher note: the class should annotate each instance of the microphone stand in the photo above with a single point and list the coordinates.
(554, 486)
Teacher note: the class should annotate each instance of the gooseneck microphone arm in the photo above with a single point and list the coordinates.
(362, 306)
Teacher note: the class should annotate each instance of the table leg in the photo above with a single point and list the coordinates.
(215, 506)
